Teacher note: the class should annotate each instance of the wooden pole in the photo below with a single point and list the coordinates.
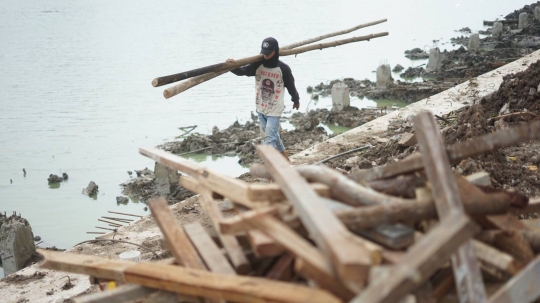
(226, 66)
(521, 288)
(159, 81)
(469, 284)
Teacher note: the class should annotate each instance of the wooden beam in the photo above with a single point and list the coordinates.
(521, 288)
(531, 208)
(236, 224)
(175, 237)
(492, 258)
(314, 264)
(262, 245)
(469, 284)
(351, 256)
(186, 281)
(421, 261)
(208, 250)
(272, 192)
(230, 243)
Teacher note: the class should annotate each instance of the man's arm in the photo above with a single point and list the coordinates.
(288, 81)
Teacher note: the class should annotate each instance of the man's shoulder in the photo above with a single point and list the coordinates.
(284, 67)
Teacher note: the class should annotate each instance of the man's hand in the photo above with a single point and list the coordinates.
(230, 60)
(296, 105)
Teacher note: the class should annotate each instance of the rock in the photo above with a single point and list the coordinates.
(407, 139)
(215, 130)
(65, 176)
(91, 189)
(166, 179)
(37, 238)
(16, 243)
(309, 89)
(398, 68)
(144, 172)
(352, 161)
(54, 179)
(505, 109)
(122, 200)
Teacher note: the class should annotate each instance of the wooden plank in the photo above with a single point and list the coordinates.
(351, 256)
(491, 257)
(521, 288)
(533, 224)
(531, 208)
(272, 192)
(421, 261)
(208, 250)
(314, 264)
(262, 245)
(188, 281)
(175, 237)
(469, 282)
(282, 270)
(231, 226)
(229, 242)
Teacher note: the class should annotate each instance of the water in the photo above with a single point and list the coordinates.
(76, 94)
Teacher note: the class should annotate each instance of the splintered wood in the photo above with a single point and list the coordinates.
(411, 231)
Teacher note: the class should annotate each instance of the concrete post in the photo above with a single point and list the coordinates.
(384, 76)
(166, 179)
(435, 60)
(496, 30)
(16, 244)
(474, 42)
(537, 12)
(340, 96)
(523, 20)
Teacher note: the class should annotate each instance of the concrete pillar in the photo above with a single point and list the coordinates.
(435, 60)
(474, 42)
(537, 12)
(384, 76)
(16, 244)
(340, 96)
(166, 179)
(523, 20)
(496, 30)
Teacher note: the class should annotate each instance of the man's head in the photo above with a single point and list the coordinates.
(269, 46)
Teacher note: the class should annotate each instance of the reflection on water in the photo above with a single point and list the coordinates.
(224, 164)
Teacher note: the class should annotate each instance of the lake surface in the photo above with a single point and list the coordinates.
(76, 94)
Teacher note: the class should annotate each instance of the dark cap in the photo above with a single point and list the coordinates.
(269, 45)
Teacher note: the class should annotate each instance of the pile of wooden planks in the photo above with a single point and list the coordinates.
(411, 231)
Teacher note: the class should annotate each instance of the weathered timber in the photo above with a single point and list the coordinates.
(186, 281)
(351, 256)
(515, 244)
(176, 238)
(521, 288)
(492, 258)
(421, 261)
(230, 243)
(457, 152)
(282, 270)
(272, 192)
(208, 249)
(315, 266)
(532, 207)
(469, 284)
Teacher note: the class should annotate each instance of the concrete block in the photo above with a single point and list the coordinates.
(474, 42)
(435, 60)
(384, 76)
(166, 179)
(497, 30)
(16, 244)
(340, 96)
(523, 20)
(537, 13)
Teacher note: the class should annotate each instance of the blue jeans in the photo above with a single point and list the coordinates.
(270, 128)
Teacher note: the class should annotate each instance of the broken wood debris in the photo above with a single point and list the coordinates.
(318, 239)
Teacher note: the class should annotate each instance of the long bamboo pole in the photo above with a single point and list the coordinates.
(159, 81)
(222, 68)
